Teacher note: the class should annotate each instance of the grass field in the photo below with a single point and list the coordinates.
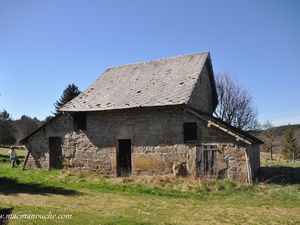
(94, 199)
(277, 160)
(3, 151)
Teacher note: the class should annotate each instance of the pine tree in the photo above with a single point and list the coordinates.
(290, 150)
(70, 92)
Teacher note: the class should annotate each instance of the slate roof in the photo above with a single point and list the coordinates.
(168, 81)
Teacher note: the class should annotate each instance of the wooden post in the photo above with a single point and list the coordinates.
(26, 158)
(248, 167)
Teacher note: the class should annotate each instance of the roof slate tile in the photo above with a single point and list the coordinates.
(168, 81)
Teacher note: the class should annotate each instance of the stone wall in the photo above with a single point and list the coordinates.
(235, 157)
(38, 143)
(157, 143)
(154, 136)
(254, 158)
(231, 154)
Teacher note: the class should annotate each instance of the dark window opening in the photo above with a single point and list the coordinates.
(190, 131)
(79, 120)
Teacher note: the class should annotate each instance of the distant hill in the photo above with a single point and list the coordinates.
(281, 129)
(279, 133)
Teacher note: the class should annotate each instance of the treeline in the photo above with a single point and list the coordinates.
(281, 130)
(12, 131)
(283, 140)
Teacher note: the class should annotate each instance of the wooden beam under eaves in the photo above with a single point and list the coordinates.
(210, 122)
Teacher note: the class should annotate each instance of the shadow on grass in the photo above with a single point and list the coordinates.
(279, 175)
(10, 186)
(3, 215)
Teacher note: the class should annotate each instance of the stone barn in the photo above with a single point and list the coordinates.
(147, 118)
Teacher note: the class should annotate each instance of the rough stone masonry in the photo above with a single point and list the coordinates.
(163, 109)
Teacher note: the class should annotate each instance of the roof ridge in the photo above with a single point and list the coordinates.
(160, 59)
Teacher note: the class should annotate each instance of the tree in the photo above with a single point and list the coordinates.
(269, 137)
(25, 125)
(48, 118)
(7, 130)
(70, 92)
(235, 103)
(290, 150)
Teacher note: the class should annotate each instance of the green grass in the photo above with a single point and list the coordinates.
(278, 160)
(3, 151)
(95, 199)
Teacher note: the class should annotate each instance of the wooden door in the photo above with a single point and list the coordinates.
(206, 161)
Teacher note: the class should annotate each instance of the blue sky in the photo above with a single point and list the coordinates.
(44, 45)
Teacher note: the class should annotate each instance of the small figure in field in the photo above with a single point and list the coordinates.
(13, 157)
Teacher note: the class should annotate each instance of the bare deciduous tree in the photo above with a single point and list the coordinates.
(235, 103)
(25, 125)
(269, 137)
